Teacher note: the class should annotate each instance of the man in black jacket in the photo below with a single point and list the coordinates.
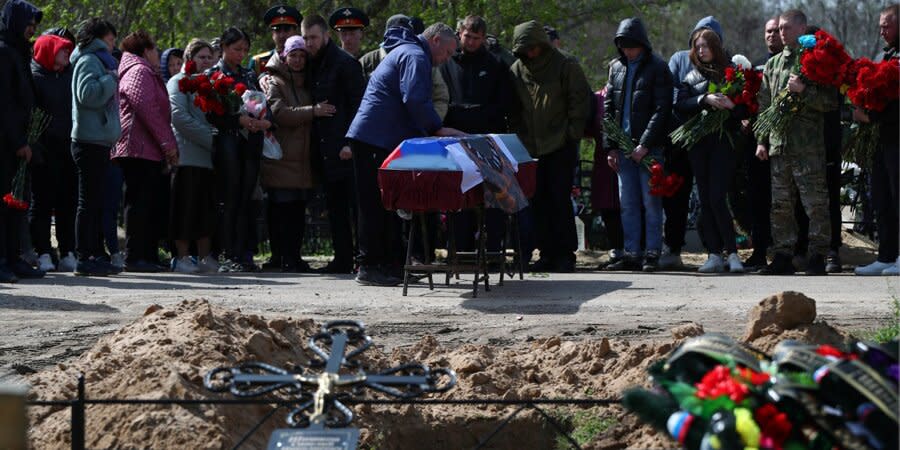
(886, 164)
(479, 91)
(639, 98)
(336, 78)
(18, 20)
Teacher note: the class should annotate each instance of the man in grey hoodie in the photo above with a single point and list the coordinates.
(676, 207)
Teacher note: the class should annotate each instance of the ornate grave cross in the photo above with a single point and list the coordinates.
(320, 393)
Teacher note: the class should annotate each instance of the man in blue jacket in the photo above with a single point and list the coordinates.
(396, 106)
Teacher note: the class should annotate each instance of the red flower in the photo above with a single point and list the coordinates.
(719, 382)
(755, 378)
(185, 85)
(13, 203)
(656, 169)
(773, 424)
(729, 74)
(190, 67)
(240, 88)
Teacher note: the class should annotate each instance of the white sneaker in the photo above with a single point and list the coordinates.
(185, 265)
(713, 264)
(45, 263)
(118, 260)
(734, 263)
(670, 261)
(67, 263)
(892, 271)
(208, 264)
(875, 269)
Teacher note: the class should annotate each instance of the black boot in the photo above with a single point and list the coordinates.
(833, 262)
(782, 264)
(816, 265)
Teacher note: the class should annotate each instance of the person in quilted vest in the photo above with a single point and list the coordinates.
(147, 144)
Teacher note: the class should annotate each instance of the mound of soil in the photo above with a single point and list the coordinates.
(166, 353)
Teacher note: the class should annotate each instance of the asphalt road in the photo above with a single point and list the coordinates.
(43, 322)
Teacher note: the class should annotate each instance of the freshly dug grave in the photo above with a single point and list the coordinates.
(166, 353)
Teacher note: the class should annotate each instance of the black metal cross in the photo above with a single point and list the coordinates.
(319, 394)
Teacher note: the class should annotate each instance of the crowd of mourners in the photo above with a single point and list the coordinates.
(123, 131)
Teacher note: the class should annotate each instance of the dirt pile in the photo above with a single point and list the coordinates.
(788, 315)
(166, 353)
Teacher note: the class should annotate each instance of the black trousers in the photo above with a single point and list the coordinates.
(885, 197)
(552, 204)
(612, 219)
(10, 220)
(677, 206)
(54, 193)
(141, 197)
(465, 226)
(714, 166)
(340, 199)
(759, 195)
(237, 168)
(378, 229)
(287, 226)
(91, 161)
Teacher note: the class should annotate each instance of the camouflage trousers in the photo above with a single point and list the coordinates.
(799, 178)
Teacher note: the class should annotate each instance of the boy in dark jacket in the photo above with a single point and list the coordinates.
(18, 20)
(54, 182)
(639, 98)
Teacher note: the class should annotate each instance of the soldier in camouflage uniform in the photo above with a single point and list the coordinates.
(798, 157)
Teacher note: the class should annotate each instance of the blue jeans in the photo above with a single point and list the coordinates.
(634, 194)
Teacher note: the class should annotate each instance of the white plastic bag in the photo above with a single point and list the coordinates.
(271, 147)
(255, 107)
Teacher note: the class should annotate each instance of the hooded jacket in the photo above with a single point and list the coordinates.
(552, 97)
(651, 95)
(397, 104)
(164, 64)
(143, 111)
(95, 106)
(53, 89)
(336, 77)
(680, 62)
(15, 77)
(292, 109)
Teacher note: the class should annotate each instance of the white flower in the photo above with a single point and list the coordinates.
(741, 62)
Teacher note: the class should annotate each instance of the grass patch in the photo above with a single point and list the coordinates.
(889, 329)
(583, 425)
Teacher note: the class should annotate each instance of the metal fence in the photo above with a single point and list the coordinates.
(79, 404)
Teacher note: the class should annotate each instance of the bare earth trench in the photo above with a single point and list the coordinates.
(48, 321)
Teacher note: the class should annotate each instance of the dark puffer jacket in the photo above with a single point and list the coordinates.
(651, 98)
(690, 102)
(15, 76)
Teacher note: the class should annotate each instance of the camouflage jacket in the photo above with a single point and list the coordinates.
(807, 131)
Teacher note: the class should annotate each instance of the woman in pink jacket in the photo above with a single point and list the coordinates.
(147, 143)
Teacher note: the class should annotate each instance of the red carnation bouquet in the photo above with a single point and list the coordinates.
(825, 61)
(822, 60)
(215, 94)
(661, 184)
(15, 198)
(875, 86)
(740, 85)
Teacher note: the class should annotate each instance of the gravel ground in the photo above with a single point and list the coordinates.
(47, 321)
